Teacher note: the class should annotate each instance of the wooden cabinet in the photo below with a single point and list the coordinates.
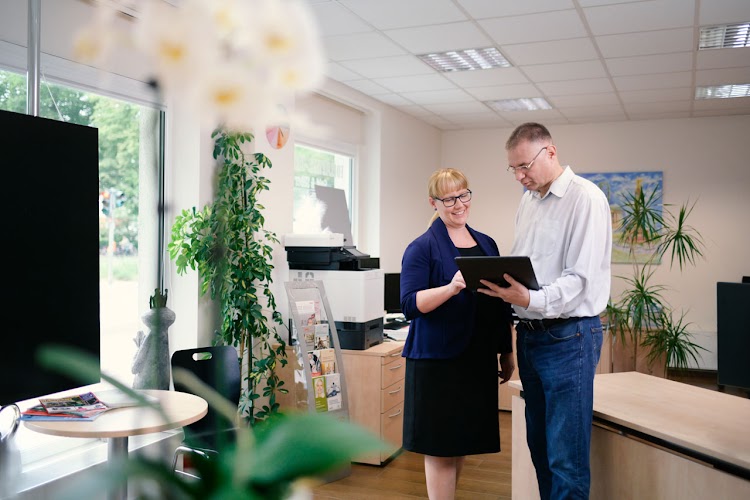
(375, 385)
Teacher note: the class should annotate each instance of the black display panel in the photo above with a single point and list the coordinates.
(51, 245)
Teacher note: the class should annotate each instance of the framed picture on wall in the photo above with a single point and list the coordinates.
(617, 186)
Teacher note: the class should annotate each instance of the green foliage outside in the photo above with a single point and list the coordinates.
(124, 267)
(119, 127)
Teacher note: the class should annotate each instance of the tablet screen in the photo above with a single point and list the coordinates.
(492, 268)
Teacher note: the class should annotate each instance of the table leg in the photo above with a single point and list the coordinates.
(117, 452)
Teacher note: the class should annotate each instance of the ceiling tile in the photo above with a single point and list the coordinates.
(359, 46)
(575, 49)
(570, 101)
(338, 72)
(367, 87)
(389, 14)
(657, 95)
(458, 108)
(545, 116)
(504, 92)
(577, 70)
(573, 87)
(383, 67)
(392, 99)
(643, 65)
(333, 19)
(441, 38)
(414, 110)
(486, 77)
(657, 107)
(607, 110)
(659, 116)
(479, 120)
(656, 81)
(595, 119)
(438, 96)
(482, 8)
(439, 122)
(722, 76)
(640, 16)
(723, 58)
(593, 3)
(651, 42)
(415, 83)
(723, 12)
(535, 28)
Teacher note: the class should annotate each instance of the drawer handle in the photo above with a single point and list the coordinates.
(395, 354)
(394, 392)
(395, 414)
(395, 367)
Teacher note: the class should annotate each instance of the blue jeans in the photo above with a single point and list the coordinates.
(557, 367)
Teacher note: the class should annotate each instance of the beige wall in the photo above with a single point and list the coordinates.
(702, 159)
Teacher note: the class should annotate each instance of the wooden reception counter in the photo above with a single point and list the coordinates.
(654, 438)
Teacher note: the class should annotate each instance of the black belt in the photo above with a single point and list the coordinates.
(544, 324)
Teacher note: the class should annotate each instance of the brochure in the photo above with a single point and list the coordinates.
(38, 413)
(327, 361)
(321, 397)
(333, 391)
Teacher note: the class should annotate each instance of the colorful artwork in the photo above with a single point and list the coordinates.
(616, 185)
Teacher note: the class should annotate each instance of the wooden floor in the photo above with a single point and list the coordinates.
(484, 477)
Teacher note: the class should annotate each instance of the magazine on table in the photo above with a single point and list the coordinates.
(39, 414)
(80, 403)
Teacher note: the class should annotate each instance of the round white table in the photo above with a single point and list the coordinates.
(118, 424)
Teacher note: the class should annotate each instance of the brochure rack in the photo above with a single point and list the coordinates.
(319, 383)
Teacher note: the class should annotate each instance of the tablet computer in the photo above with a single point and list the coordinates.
(492, 268)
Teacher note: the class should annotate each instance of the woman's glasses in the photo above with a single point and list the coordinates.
(451, 200)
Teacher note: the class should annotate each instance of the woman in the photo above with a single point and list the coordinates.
(450, 407)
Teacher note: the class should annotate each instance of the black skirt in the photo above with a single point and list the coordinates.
(450, 405)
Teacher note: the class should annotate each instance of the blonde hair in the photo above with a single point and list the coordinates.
(444, 181)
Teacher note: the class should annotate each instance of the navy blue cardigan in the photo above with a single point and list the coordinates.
(428, 262)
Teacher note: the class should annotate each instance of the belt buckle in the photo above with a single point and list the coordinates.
(533, 324)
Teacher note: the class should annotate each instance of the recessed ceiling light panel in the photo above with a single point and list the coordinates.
(466, 60)
(725, 37)
(723, 91)
(523, 104)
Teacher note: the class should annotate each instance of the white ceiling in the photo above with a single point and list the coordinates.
(592, 60)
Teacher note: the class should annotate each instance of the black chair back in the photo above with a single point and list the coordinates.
(219, 368)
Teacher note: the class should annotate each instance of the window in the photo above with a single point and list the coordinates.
(318, 167)
(128, 181)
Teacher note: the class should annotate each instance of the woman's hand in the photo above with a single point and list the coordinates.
(432, 298)
(507, 367)
(457, 283)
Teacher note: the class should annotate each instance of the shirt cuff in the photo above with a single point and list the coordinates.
(536, 301)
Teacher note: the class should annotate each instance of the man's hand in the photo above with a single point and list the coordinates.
(507, 367)
(516, 293)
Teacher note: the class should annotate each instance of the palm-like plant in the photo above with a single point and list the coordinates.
(642, 307)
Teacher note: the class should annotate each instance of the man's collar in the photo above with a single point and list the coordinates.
(560, 185)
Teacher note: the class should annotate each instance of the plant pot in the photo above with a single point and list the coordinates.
(625, 360)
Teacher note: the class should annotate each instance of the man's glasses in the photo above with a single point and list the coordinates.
(451, 200)
(525, 168)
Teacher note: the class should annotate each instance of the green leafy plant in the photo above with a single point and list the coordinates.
(228, 245)
(641, 314)
(263, 462)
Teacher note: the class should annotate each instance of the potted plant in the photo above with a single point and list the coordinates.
(641, 318)
(229, 246)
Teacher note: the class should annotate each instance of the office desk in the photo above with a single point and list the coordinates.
(654, 438)
(118, 424)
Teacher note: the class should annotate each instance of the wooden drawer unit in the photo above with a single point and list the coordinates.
(375, 386)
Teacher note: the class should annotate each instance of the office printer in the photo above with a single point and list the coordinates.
(354, 291)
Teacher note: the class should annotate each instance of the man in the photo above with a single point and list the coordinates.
(563, 224)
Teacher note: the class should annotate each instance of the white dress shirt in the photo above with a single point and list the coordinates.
(568, 236)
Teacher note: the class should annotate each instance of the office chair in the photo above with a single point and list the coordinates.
(219, 368)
